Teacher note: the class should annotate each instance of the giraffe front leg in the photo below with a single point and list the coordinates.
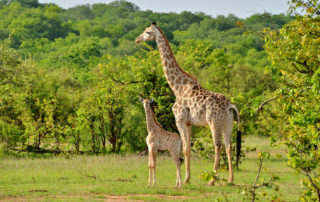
(150, 171)
(151, 168)
(150, 174)
(185, 132)
(187, 154)
(154, 169)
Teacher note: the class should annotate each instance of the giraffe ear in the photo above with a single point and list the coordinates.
(141, 100)
(154, 24)
(151, 101)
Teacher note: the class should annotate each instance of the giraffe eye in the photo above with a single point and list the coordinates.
(148, 32)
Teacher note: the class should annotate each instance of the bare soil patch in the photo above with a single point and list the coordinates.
(102, 197)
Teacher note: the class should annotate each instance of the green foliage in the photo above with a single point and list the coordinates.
(70, 79)
(295, 54)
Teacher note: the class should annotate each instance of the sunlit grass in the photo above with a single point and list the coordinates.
(101, 177)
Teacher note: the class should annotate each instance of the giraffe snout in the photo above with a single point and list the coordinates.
(138, 40)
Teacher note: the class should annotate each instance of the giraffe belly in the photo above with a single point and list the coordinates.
(198, 119)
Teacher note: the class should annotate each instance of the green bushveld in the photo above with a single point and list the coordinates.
(70, 79)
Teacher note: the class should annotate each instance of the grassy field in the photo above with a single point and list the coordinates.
(118, 178)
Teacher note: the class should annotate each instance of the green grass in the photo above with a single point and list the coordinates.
(125, 178)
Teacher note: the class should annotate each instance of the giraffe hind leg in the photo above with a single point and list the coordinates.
(154, 169)
(152, 162)
(217, 137)
(227, 132)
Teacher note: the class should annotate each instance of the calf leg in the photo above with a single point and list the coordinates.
(154, 168)
(152, 165)
(175, 157)
(178, 181)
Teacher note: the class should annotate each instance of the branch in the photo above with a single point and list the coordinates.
(313, 184)
(122, 83)
(87, 175)
(265, 102)
(307, 173)
(258, 175)
(269, 100)
(296, 68)
(225, 197)
(259, 186)
(111, 180)
(315, 7)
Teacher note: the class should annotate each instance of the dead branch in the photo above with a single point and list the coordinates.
(265, 102)
(92, 176)
(122, 83)
(87, 175)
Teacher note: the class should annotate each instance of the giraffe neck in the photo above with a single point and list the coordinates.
(152, 122)
(175, 76)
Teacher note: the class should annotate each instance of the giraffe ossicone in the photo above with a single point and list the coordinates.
(194, 105)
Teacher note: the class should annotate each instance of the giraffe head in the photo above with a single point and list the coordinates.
(146, 102)
(148, 34)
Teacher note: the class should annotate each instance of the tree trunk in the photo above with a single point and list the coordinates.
(39, 141)
(115, 130)
(93, 138)
(104, 142)
(103, 137)
(56, 135)
(77, 144)
(228, 82)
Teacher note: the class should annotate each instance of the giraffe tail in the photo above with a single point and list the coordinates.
(238, 153)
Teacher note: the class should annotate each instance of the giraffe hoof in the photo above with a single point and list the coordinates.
(186, 181)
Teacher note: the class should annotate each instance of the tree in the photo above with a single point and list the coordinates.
(295, 54)
(25, 3)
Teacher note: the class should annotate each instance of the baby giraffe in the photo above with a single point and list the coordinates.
(160, 139)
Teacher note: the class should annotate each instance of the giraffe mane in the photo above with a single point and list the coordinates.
(154, 118)
(174, 59)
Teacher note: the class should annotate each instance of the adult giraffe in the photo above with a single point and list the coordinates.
(194, 105)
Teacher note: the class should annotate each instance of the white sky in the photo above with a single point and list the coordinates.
(241, 8)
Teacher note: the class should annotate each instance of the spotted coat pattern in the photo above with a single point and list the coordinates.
(160, 139)
(194, 105)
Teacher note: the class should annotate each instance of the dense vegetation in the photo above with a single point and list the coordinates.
(73, 77)
(70, 79)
